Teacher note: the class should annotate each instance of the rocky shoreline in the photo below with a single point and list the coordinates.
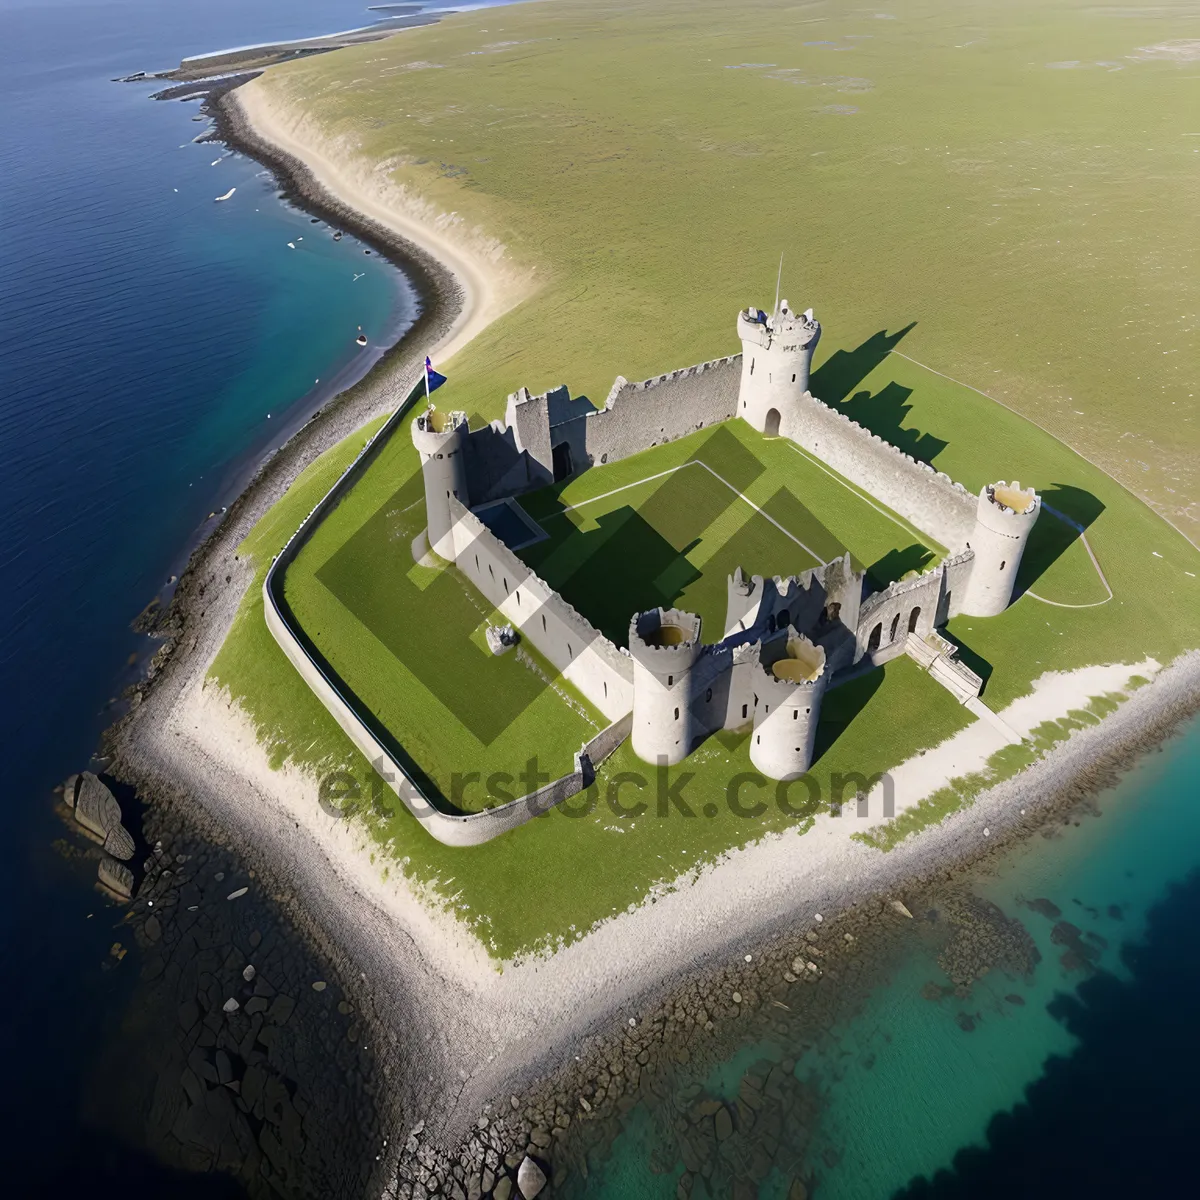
(222, 1110)
(794, 986)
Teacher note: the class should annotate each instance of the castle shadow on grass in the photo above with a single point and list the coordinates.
(1070, 512)
(883, 412)
(635, 558)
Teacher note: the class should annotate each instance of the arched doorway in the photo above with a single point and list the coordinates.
(771, 427)
(561, 455)
(895, 626)
(913, 617)
(875, 638)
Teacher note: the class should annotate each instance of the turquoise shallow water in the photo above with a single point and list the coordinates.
(906, 1091)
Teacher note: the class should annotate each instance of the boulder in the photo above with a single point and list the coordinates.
(116, 877)
(722, 1123)
(503, 1188)
(530, 1178)
(69, 788)
(119, 843)
(95, 807)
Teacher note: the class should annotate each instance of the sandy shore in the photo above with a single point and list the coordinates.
(484, 1032)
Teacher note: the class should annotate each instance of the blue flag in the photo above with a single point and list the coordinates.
(433, 380)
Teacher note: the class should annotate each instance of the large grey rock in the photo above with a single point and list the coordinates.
(116, 876)
(722, 1123)
(119, 843)
(69, 790)
(530, 1178)
(95, 807)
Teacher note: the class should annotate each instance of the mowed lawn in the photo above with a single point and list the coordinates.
(409, 642)
(669, 526)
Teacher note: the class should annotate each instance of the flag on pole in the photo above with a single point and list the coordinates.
(433, 380)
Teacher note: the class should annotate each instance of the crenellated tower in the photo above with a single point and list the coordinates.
(664, 644)
(1004, 519)
(440, 439)
(777, 351)
(787, 707)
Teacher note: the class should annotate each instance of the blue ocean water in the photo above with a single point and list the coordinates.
(1081, 1086)
(152, 343)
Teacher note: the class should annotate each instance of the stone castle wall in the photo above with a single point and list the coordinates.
(928, 499)
(957, 568)
(637, 416)
(568, 640)
(933, 594)
(891, 611)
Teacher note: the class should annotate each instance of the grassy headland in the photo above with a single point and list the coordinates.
(651, 161)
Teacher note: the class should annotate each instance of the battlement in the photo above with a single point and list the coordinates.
(434, 421)
(665, 641)
(622, 387)
(794, 331)
(901, 587)
(1011, 497)
(900, 455)
(801, 663)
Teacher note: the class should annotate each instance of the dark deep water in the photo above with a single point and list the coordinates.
(145, 334)
(1118, 1114)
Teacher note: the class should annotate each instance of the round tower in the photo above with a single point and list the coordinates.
(1004, 517)
(777, 353)
(440, 439)
(786, 709)
(664, 644)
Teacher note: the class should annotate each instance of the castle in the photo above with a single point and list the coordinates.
(785, 638)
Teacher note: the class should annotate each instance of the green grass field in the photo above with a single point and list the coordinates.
(669, 526)
(409, 641)
(651, 160)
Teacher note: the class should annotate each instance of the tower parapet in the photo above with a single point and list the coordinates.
(777, 351)
(664, 645)
(787, 707)
(1004, 519)
(440, 439)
